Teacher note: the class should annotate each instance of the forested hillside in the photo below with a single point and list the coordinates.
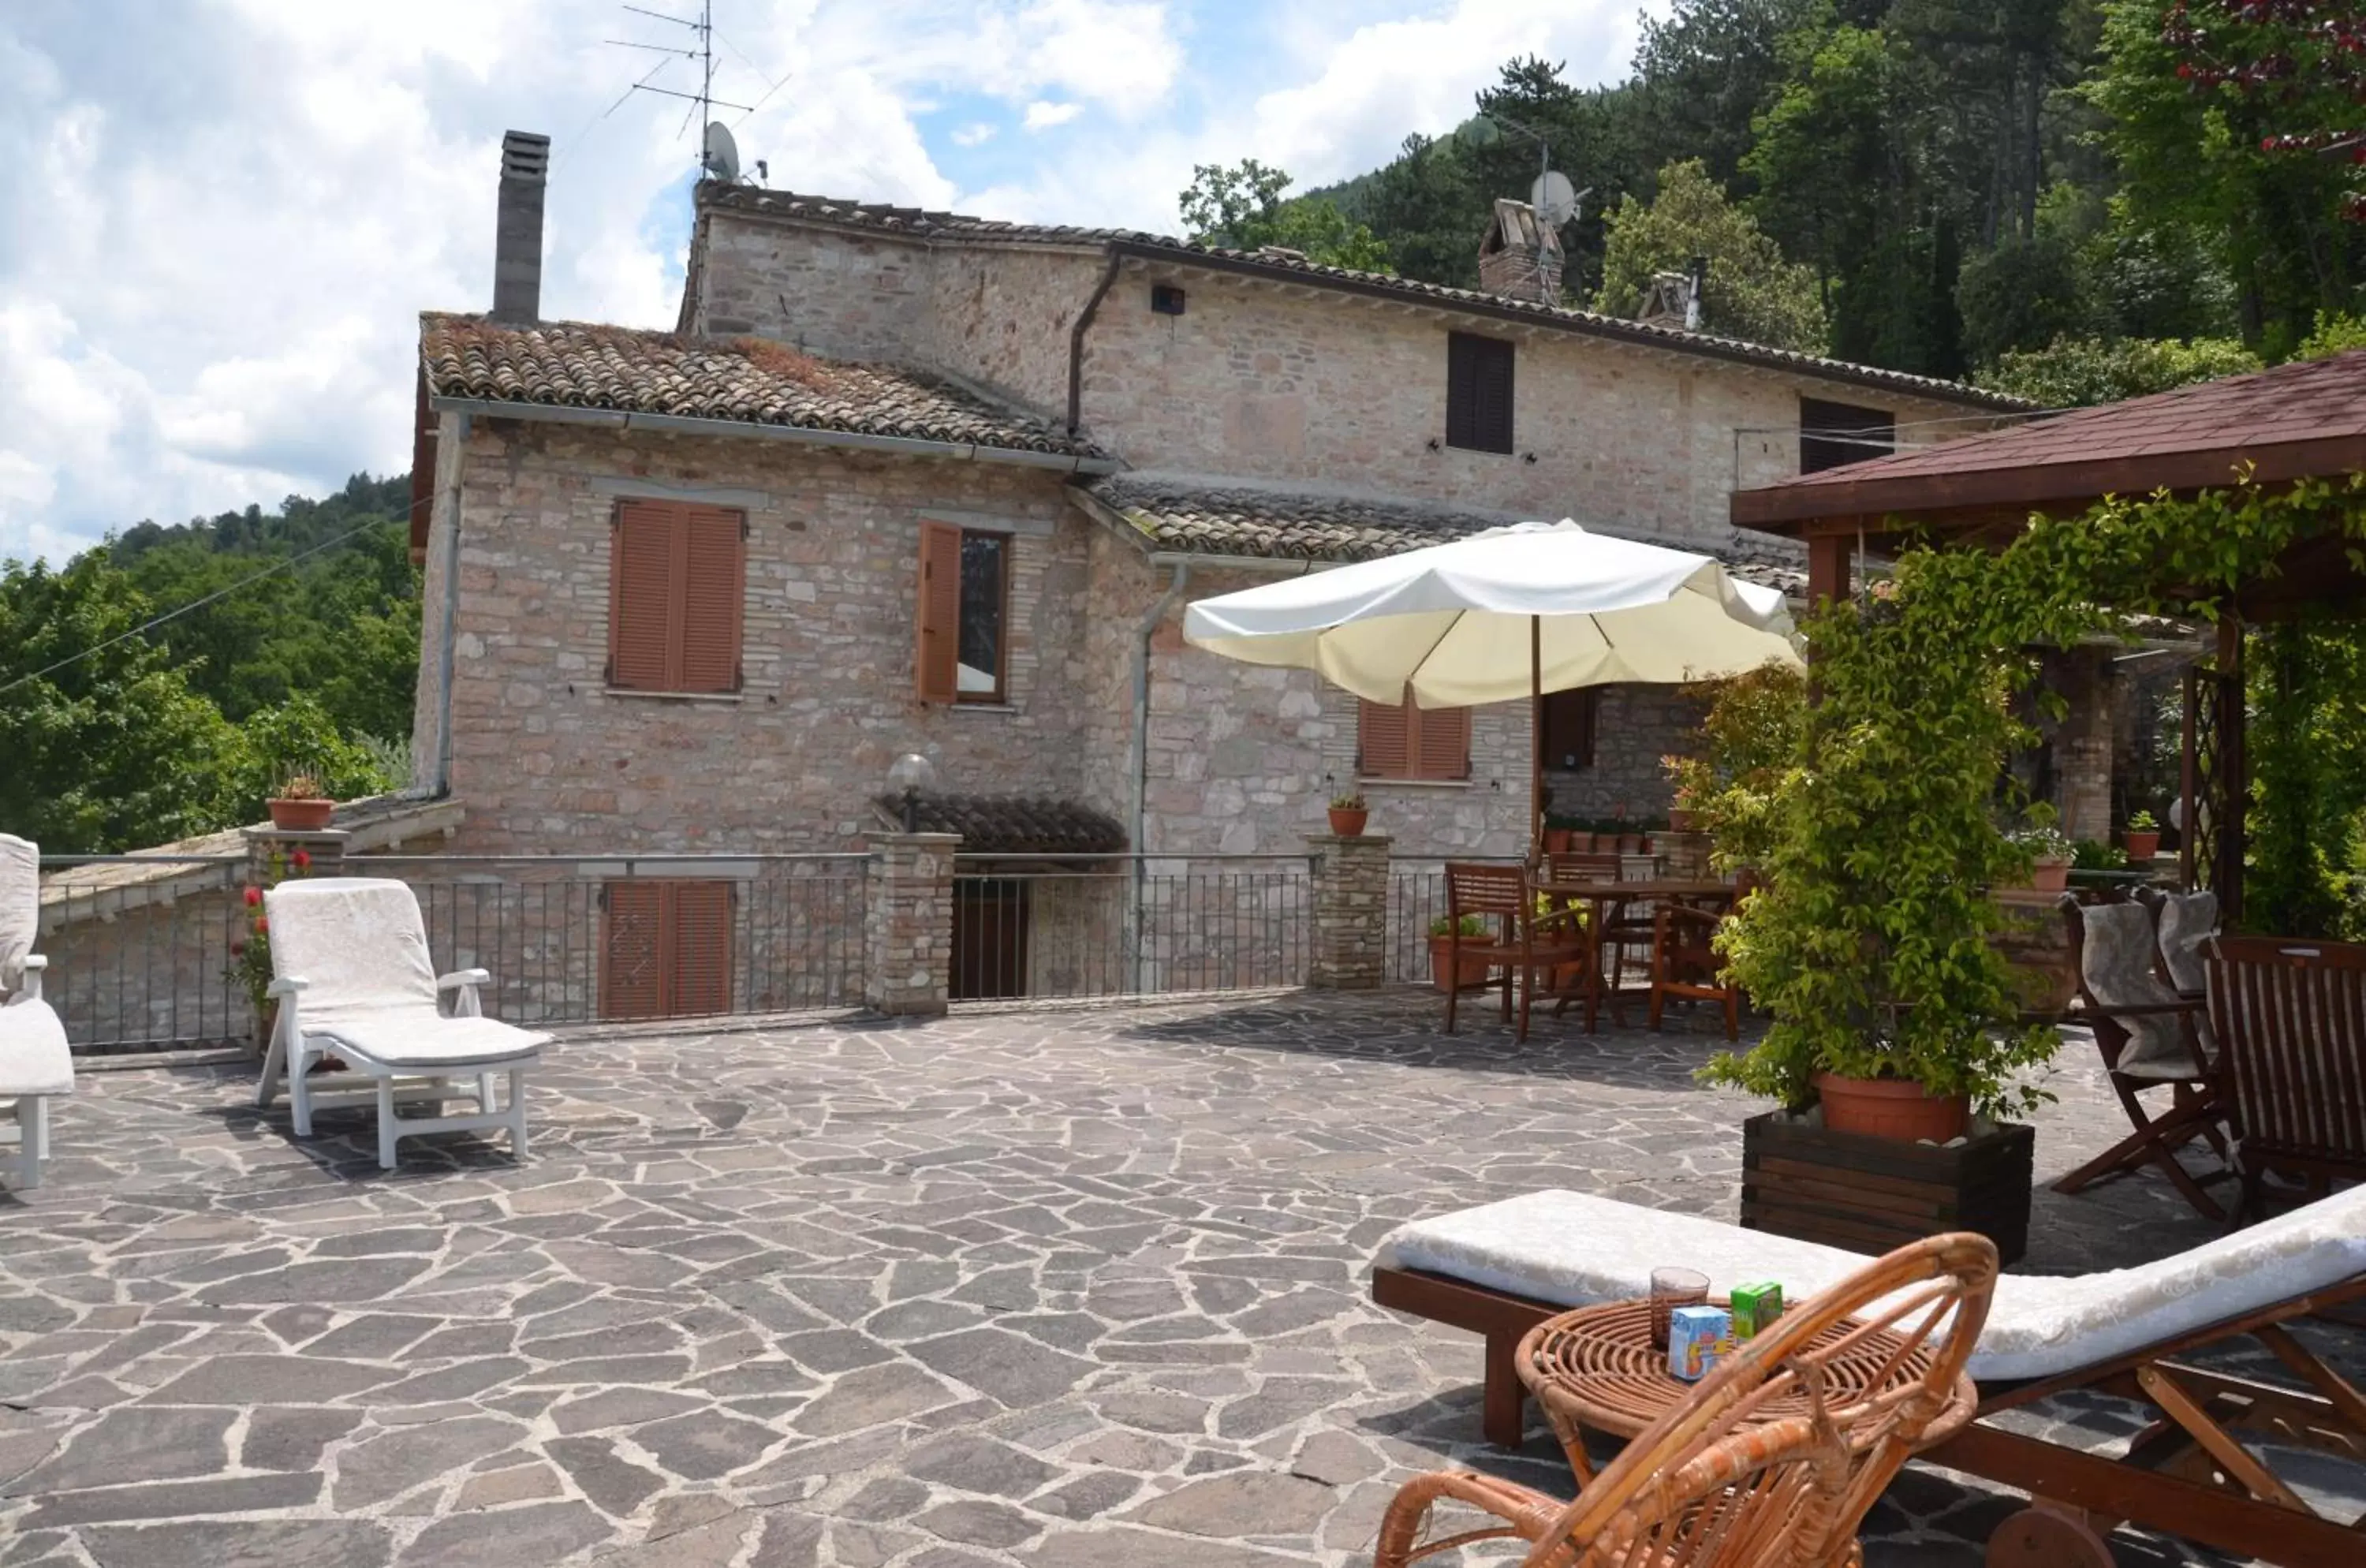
(2074, 199)
(118, 738)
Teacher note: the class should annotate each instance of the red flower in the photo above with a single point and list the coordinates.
(262, 927)
(303, 859)
(254, 897)
(238, 950)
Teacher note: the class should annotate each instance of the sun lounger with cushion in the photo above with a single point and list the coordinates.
(1502, 1268)
(35, 1065)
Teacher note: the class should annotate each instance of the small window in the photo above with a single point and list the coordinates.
(964, 597)
(1478, 392)
(665, 948)
(1832, 436)
(1405, 740)
(677, 577)
(1568, 730)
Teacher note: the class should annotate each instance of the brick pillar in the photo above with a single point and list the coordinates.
(325, 847)
(1351, 911)
(2082, 743)
(907, 922)
(1685, 855)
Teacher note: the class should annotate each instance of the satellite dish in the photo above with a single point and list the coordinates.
(1553, 197)
(722, 159)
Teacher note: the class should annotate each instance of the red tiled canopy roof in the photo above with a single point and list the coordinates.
(2296, 421)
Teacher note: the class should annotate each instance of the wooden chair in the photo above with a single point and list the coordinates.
(2151, 1038)
(2291, 1018)
(1711, 1483)
(1626, 923)
(1522, 944)
(1685, 963)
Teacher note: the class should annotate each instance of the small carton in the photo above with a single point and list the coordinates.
(1696, 1337)
(1755, 1308)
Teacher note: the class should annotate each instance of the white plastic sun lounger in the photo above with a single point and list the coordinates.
(35, 1064)
(1500, 1268)
(354, 981)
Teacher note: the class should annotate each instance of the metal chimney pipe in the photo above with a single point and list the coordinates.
(517, 228)
(1693, 295)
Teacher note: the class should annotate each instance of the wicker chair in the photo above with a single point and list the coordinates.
(1523, 943)
(1712, 1483)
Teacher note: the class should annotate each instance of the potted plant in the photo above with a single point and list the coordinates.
(301, 806)
(2049, 852)
(1349, 814)
(1629, 840)
(1557, 833)
(249, 955)
(1471, 972)
(2142, 838)
(1693, 784)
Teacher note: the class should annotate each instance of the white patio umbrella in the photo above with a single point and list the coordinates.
(1514, 611)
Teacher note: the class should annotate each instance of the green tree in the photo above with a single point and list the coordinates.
(1754, 293)
(1240, 208)
(2076, 372)
(2022, 294)
(2334, 334)
(1704, 72)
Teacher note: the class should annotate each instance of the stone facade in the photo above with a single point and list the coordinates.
(908, 923)
(1351, 912)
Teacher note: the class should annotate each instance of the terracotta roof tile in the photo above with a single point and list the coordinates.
(741, 380)
(990, 824)
(922, 223)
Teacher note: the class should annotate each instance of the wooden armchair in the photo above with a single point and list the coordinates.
(1728, 1479)
(1685, 963)
(1521, 942)
(2292, 1016)
(2151, 1038)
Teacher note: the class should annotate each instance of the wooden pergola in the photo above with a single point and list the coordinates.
(2296, 422)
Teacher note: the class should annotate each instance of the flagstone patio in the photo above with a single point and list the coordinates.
(1051, 1287)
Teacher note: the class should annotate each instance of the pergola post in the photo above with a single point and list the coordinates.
(2232, 785)
(1828, 568)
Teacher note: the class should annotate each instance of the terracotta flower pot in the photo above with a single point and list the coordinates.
(1887, 1108)
(2141, 846)
(1557, 840)
(1473, 971)
(1582, 841)
(1680, 820)
(300, 816)
(2050, 875)
(1348, 824)
(1630, 844)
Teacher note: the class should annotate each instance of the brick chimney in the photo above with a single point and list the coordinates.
(517, 228)
(1521, 257)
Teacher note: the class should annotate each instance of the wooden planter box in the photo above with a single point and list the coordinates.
(1872, 1194)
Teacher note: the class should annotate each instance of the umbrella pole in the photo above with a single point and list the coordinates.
(1536, 733)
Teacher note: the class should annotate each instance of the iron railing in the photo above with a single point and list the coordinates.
(1119, 925)
(140, 948)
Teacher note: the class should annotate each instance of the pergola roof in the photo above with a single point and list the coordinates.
(2297, 420)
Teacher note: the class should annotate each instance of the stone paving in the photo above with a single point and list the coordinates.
(1048, 1289)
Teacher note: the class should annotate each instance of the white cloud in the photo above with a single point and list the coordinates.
(1043, 116)
(974, 134)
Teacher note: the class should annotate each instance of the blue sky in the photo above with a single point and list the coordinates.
(219, 218)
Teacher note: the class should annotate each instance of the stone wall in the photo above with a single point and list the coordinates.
(549, 760)
(843, 295)
(1634, 726)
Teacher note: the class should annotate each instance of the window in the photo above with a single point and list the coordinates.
(1834, 434)
(665, 948)
(1478, 392)
(1568, 730)
(676, 582)
(964, 595)
(1408, 741)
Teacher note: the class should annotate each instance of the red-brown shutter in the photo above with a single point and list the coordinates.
(712, 599)
(701, 930)
(938, 613)
(1384, 741)
(632, 951)
(1441, 743)
(641, 638)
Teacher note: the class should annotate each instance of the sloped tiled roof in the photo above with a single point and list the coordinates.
(925, 224)
(1202, 516)
(1011, 823)
(2305, 418)
(742, 380)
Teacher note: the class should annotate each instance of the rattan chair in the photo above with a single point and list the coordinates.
(1522, 943)
(1711, 1483)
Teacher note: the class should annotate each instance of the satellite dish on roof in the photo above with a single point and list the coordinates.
(1553, 197)
(722, 159)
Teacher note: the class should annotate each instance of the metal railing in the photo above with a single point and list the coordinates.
(1120, 925)
(140, 948)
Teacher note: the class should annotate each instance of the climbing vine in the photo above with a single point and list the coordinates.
(1871, 944)
(2306, 746)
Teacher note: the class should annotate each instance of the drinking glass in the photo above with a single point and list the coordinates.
(1670, 1289)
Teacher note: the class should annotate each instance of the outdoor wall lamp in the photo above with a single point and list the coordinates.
(907, 776)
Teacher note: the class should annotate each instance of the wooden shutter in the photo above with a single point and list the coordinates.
(938, 662)
(713, 598)
(1441, 743)
(1384, 741)
(1461, 388)
(641, 597)
(633, 950)
(1568, 729)
(1832, 436)
(699, 926)
(1491, 414)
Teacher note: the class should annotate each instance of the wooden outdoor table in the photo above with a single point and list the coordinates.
(1594, 1368)
(1602, 896)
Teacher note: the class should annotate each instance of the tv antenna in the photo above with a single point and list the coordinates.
(1553, 197)
(704, 101)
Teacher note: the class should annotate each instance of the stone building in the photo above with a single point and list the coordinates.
(906, 481)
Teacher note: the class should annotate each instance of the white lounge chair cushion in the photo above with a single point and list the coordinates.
(408, 1040)
(33, 1055)
(20, 908)
(356, 942)
(1571, 1250)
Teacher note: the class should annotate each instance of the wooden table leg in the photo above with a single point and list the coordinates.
(1502, 1418)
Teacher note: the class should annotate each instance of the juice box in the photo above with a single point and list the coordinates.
(1755, 1308)
(1696, 1337)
